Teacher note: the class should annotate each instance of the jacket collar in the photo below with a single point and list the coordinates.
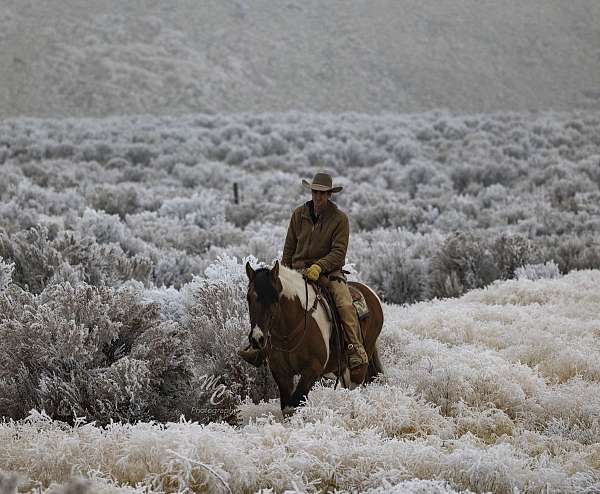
(308, 209)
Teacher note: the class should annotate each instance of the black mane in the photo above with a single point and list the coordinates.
(265, 291)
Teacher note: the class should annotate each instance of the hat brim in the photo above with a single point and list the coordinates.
(321, 188)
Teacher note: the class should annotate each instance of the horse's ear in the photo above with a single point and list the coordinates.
(249, 271)
(275, 271)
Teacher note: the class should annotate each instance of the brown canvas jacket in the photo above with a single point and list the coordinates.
(324, 243)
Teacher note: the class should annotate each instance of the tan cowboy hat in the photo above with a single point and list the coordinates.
(322, 182)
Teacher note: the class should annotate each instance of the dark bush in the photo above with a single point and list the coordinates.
(511, 251)
(90, 351)
(463, 263)
(35, 259)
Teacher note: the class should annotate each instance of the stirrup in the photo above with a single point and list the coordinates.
(358, 361)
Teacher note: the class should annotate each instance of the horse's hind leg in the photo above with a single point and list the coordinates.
(375, 367)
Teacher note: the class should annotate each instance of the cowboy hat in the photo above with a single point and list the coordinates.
(321, 182)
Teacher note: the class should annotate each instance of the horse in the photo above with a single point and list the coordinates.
(293, 328)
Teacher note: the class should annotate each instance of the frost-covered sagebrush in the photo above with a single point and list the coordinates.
(122, 292)
(524, 187)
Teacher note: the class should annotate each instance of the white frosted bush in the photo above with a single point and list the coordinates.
(205, 211)
(89, 351)
(6, 271)
(35, 258)
(105, 228)
(170, 300)
(118, 199)
(176, 268)
(492, 392)
(548, 270)
(282, 149)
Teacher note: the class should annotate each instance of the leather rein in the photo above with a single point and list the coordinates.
(289, 337)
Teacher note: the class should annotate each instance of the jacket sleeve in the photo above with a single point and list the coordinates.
(336, 258)
(291, 240)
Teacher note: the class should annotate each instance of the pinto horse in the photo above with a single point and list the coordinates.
(293, 328)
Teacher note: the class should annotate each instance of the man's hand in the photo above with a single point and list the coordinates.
(313, 272)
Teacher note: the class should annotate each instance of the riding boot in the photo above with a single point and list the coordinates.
(357, 356)
(253, 356)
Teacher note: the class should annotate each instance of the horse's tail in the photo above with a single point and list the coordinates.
(375, 367)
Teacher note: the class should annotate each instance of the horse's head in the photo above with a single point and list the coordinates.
(264, 291)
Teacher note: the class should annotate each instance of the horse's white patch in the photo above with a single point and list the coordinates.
(293, 286)
(296, 380)
(347, 381)
(257, 335)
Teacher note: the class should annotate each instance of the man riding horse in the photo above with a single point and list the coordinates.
(317, 241)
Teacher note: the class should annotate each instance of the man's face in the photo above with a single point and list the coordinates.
(320, 200)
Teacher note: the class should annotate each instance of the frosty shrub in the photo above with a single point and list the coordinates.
(91, 351)
(404, 150)
(205, 211)
(140, 154)
(462, 263)
(176, 268)
(511, 252)
(102, 264)
(406, 283)
(570, 253)
(6, 271)
(242, 214)
(99, 152)
(34, 257)
(264, 241)
(105, 228)
(533, 272)
(166, 351)
(396, 263)
(216, 318)
(115, 199)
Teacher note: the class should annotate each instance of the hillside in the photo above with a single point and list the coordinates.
(76, 58)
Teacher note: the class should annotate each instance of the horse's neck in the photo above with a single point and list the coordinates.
(297, 296)
(295, 287)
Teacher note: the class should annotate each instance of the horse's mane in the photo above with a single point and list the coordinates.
(292, 283)
(265, 291)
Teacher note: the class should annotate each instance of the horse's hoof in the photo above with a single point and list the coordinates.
(358, 374)
(288, 412)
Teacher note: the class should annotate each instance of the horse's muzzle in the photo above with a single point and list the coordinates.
(257, 337)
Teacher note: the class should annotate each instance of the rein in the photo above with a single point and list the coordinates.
(292, 334)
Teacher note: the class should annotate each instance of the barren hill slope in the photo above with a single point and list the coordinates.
(81, 58)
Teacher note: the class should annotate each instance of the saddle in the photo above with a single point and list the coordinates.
(326, 300)
(338, 335)
(359, 302)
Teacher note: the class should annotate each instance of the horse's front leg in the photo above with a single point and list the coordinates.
(285, 384)
(308, 377)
